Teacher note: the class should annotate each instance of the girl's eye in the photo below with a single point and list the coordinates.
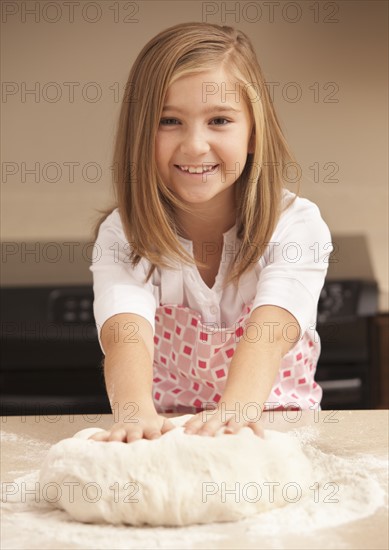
(168, 121)
(220, 121)
(224, 123)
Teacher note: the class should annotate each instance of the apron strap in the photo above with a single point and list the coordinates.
(172, 286)
(248, 285)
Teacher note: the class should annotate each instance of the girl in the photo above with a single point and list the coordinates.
(208, 272)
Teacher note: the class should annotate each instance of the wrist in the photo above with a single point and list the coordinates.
(132, 409)
(246, 408)
(239, 398)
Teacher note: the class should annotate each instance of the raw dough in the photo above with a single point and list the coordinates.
(178, 479)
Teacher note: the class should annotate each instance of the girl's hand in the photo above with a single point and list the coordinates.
(209, 422)
(146, 426)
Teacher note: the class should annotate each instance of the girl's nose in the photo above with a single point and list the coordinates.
(194, 144)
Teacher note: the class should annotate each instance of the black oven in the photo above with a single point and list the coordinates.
(345, 368)
(51, 362)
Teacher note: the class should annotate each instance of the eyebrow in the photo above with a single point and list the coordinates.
(210, 109)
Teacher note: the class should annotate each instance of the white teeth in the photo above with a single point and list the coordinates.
(198, 169)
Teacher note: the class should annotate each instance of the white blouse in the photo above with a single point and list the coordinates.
(290, 274)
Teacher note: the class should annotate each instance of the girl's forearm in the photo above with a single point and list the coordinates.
(251, 374)
(128, 375)
(128, 367)
(257, 360)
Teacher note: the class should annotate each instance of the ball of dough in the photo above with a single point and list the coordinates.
(177, 479)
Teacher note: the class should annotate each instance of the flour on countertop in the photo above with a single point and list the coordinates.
(10, 445)
(352, 482)
(36, 444)
(359, 495)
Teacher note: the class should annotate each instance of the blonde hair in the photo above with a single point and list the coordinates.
(146, 206)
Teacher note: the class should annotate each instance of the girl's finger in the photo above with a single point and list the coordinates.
(117, 434)
(211, 426)
(167, 426)
(257, 429)
(193, 427)
(100, 436)
(152, 433)
(232, 427)
(134, 435)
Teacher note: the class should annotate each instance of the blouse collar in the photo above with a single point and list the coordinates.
(228, 236)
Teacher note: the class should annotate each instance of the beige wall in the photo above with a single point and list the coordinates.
(340, 46)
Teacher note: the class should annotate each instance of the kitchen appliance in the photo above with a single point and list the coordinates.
(51, 362)
(347, 304)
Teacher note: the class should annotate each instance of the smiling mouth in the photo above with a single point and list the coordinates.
(196, 170)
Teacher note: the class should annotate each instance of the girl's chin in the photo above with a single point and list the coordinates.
(202, 195)
(203, 198)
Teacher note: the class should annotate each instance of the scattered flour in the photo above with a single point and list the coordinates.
(11, 444)
(34, 444)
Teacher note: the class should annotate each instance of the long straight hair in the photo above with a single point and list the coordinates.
(146, 206)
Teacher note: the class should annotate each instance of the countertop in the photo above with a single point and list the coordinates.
(355, 437)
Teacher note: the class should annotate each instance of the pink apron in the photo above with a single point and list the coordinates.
(191, 361)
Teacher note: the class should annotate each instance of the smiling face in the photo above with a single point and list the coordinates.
(203, 138)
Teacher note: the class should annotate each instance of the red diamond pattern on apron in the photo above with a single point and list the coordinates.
(191, 361)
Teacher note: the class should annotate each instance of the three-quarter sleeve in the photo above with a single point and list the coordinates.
(295, 263)
(118, 286)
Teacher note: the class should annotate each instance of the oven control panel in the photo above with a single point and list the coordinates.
(347, 300)
(71, 305)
